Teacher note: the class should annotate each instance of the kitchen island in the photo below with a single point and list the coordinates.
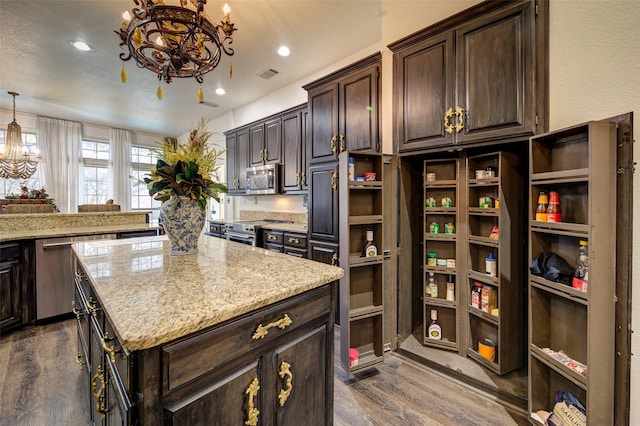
(230, 335)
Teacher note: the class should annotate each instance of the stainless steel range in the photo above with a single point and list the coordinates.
(249, 232)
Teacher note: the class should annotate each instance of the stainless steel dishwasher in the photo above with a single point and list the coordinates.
(54, 274)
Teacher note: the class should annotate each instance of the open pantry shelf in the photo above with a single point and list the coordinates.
(579, 164)
(361, 287)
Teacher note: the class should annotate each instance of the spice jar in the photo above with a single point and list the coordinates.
(431, 259)
(476, 296)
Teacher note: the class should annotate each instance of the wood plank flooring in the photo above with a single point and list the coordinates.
(40, 385)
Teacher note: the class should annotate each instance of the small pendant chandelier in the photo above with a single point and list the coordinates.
(174, 41)
(15, 161)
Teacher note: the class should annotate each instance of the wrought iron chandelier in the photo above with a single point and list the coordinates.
(15, 161)
(174, 41)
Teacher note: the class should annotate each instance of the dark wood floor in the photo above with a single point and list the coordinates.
(39, 385)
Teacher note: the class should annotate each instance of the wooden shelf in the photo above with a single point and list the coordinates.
(440, 237)
(558, 367)
(562, 176)
(560, 228)
(484, 241)
(437, 301)
(441, 210)
(484, 278)
(493, 366)
(493, 319)
(560, 290)
(366, 312)
(355, 260)
(474, 183)
(365, 219)
(483, 212)
(368, 185)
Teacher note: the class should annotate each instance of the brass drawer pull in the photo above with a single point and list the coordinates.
(252, 411)
(272, 237)
(342, 148)
(97, 394)
(334, 259)
(80, 361)
(109, 349)
(76, 311)
(294, 240)
(262, 331)
(285, 370)
(91, 304)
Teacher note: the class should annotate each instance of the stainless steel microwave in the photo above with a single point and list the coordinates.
(263, 180)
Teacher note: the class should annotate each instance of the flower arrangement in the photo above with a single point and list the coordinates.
(187, 170)
(31, 194)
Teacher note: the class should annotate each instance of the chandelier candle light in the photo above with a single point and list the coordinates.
(174, 41)
(15, 161)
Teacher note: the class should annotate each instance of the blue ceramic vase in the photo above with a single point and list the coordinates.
(182, 220)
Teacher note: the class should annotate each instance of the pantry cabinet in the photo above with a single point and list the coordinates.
(361, 287)
(495, 264)
(477, 77)
(579, 163)
(344, 112)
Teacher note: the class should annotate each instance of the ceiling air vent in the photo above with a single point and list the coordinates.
(268, 73)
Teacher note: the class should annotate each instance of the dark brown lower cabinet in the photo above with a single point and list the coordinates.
(17, 306)
(226, 374)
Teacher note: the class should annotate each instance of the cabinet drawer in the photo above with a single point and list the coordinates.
(295, 240)
(273, 237)
(196, 357)
(9, 252)
(296, 252)
(273, 247)
(216, 228)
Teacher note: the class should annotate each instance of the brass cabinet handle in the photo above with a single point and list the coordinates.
(302, 178)
(76, 311)
(342, 147)
(334, 180)
(460, 116)
(448, 127)
(334, 259)
(294, 240)
(298, 180)
(271, 237)
(262, 331)
(285, 370)
(252, 411)
(109, 349)
(91, 304)
(97, 394)
(80, 361)
(334, 148)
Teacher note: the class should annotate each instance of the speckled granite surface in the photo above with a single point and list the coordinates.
(32, 226)
(153, 298)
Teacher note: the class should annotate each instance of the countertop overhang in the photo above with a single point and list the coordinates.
(152, 297)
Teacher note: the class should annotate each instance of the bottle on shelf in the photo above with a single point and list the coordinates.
(495, 233)
(435, 330)
(476, 298)
(432, 287)
(581, 276)
(491, 265)
(451, 289)
(352, 166)
(369, 249)
(543, 204)
(554, 214)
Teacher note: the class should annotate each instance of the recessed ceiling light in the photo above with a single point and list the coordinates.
(283, 51)
(220, 91)
(80, 45)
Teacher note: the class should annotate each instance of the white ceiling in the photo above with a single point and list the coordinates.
(54, 79)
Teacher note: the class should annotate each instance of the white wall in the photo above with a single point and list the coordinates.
(594, 61)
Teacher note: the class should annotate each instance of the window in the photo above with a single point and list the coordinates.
(142, 159)
(95, 172)
(12, 186)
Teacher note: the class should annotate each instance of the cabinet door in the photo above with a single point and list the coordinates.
(232, 400)
(323, 131)
(303, 388)
(291, 152)
(231, 162)
(256, 145)
(10, 299)
(423, 89)
(272, 141)
(359, 111)
(323, 202)
(242, 159)
(495, 65)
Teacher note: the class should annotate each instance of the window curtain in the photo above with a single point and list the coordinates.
(60, 142)
(121, 167)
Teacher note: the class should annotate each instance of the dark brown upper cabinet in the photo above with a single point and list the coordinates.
(237, 160)
(294, 161)
(344, 111)
(265, 143)
(478, 77)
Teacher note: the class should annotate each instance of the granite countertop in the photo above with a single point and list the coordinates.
(153, 298)
(28, 234)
